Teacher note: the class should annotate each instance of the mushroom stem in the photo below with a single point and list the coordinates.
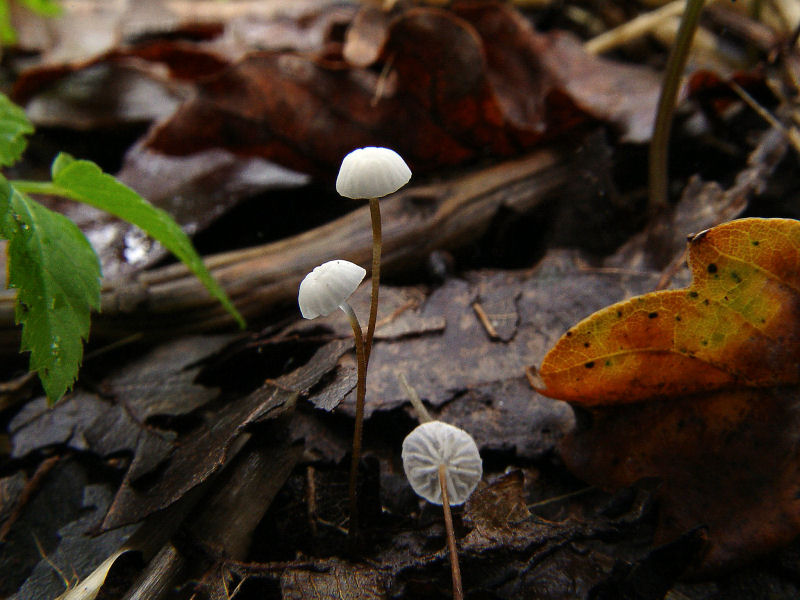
(361, 389)
(375, 214)
(458, 590)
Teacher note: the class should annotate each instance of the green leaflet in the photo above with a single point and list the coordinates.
(45, 8)
(57, 276)
(7, 33)
(14, 127)
(83, 181)
(51, 264)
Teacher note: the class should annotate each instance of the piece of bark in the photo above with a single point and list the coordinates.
(205, 451)
(229, 515)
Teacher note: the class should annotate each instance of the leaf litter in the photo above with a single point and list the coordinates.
(119, 423)
(488, 112)
(463, 343)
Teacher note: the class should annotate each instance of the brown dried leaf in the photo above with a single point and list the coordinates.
(289, 109)
(162, 381)
(200, 455)
(457, 85)
(77, 552)
(541, 78)
(724, 458)
(202, 452)
(160, 384)
(336, 579)
(496, 510)
(84, 422)
(366, 36)
(88, 28)
(60, 506)
(37, 426)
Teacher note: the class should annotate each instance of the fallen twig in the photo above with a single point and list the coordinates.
(259, 280)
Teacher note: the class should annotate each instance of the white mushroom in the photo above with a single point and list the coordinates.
(322, 291)
(372, 173)
(434, 444)
(443, 465)
(328, 287)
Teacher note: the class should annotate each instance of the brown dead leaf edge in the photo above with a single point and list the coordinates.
(698, 387)
(456, 85)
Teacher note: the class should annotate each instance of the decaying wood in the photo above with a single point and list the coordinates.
(224, 525)
(417, 221)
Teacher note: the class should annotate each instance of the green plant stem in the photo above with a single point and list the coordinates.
(659, 144)
(455, 571)
(46, 188)
(361, 388)
(375, 214)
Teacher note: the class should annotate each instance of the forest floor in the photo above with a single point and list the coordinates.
(193, 459)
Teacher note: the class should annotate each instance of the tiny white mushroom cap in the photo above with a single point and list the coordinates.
(372, 173)
(327, 287)
(436, 443)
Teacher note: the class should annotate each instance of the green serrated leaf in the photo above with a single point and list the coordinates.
(7, 33)
(57, 276)
(60, 162)
(46, 8)
(83, 180)
(14, 127)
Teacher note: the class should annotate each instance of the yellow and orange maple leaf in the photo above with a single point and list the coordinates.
(738, 324)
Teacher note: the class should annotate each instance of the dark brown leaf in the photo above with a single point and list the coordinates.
(78, 552)
(548, 81)
(161, 383)
(11, 488)
(203, 451)
(37, 426)
(497, 509)
(472, 81)
(366, 36)
(335, 579)
(725, 458)
(58, 501)
(84, 421)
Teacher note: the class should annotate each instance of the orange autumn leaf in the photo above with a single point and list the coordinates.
(738, 324)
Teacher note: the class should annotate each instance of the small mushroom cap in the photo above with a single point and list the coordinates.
(327, 286)
(372, 173)
(435, 443)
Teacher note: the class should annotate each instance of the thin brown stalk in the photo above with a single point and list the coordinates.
(377, 242)
(361, 389)
(458, 590)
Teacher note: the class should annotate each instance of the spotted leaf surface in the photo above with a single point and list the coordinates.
(738, 324)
